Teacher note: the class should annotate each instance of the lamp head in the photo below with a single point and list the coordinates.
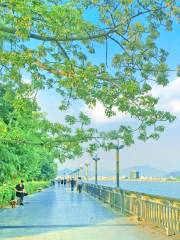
(118, 147)
(96, 158)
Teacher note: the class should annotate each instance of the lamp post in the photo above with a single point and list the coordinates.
(96, 159)
(80, 170)
(118, 147)
(87, 170)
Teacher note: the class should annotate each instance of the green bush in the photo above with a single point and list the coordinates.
(6, 194)
(7, 191)
(32, 187)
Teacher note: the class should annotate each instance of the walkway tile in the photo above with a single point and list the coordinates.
(59, 214)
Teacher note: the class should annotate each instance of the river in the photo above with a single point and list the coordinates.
(168, 189)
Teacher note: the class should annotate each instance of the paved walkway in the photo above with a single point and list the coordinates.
(58, 214)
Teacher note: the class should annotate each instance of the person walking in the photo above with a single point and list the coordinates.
(65, 182)
(72, 183)
(59, 182)
(62, 181)
(20, 191)
(53, 182)
(80, 184)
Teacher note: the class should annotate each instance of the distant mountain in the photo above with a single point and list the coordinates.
(146, 171)
(173, 174)
(64, 171)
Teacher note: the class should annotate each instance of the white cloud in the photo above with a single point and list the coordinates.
(97, 114)
(174, 106)
(169, 96)
(169, 100)
(26, 79)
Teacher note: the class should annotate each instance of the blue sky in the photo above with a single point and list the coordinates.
(162, 154)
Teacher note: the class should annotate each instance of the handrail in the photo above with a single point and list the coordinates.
(161, 211)
(141, 193)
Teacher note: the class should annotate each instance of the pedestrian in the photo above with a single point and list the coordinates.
(59, 181)
(80, 184)
(68, 181)
(20, 191)
(73, 183)
(62, 181)
(53, 182)
(65, 181)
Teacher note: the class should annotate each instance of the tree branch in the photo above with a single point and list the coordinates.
(56, 39)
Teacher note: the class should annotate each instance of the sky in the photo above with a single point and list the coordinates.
(163, 154)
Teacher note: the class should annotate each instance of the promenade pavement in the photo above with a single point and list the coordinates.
(59, 214)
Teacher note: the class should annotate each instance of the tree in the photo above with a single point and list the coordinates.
(29, 143)
(53, 42)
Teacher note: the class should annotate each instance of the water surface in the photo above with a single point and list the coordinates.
(168, 189)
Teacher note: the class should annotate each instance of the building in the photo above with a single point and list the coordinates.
(134, 175)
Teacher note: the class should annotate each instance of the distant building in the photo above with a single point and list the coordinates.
(134, 175)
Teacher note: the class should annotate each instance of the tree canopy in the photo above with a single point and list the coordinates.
(54, 41)
(29, 143)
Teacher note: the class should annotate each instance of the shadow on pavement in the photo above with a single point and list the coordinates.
(67, 226)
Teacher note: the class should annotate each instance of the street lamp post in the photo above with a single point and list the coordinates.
(80, 170)
(96, 159)
(87, 170)
(118, 147)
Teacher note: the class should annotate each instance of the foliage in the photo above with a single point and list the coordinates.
(29, 143)
(53, 42)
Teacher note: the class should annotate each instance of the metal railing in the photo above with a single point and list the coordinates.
(161, 211)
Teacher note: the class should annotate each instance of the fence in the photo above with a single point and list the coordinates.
(161, 211)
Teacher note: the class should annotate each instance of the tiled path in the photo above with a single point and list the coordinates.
(59, 214)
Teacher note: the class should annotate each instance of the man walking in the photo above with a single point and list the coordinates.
(73, 183)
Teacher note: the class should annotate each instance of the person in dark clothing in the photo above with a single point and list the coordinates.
(80, 184)
(64, 181)
(20, 191)
(73, 183)
(53, 183)
(59, 182)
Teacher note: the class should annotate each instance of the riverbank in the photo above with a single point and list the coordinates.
(113, 179)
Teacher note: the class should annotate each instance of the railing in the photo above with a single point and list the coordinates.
(161, 211)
